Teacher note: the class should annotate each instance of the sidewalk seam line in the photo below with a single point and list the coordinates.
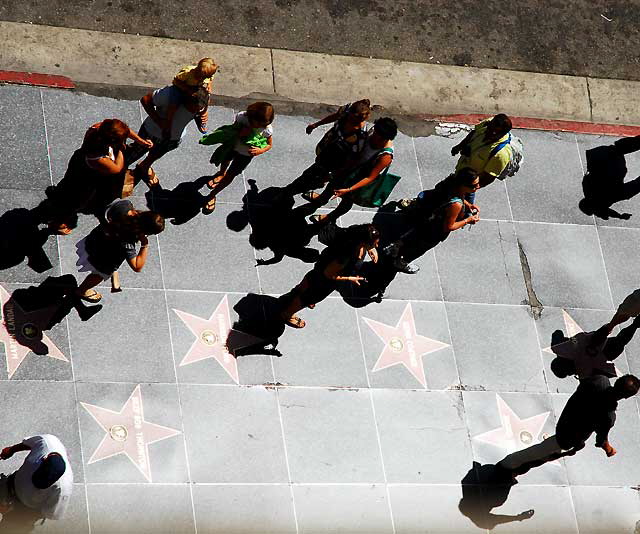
(273, 72)
(590, 99)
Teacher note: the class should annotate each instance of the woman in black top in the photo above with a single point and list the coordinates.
(336, 264)
(114, 242)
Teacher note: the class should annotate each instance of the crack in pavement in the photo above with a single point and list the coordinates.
(532, 300)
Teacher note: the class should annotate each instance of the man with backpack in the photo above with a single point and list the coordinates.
(491, 150)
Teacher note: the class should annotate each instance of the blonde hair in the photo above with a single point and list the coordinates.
(207, 67)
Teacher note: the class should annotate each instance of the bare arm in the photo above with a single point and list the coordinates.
(257, 151)
(452, 212)
(150, 108)
(8, 452)
(138, 262)
(456, 149)
(106, 166)
(381, 165)
(327, 120)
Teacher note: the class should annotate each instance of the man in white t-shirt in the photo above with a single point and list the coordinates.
(165, 126)
(44, 482)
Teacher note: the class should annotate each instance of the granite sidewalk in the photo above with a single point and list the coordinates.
(314, 433)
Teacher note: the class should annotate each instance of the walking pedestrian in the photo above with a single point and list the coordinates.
(94, 176)
(112, 243)
(436, 213)
(165, 135)
(490, 150)
(337, 264)
(370, 164)
(253, 137)
(43, 482)
(341, 143)
(591, 408)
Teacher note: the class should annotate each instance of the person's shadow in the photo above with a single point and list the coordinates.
(180, 204)
(275, 225)
(392, 225)
(484, 488)
(603, 184)
(20, 519)
(21, 237)
(573, 357)
(31, 311)
(258, 316)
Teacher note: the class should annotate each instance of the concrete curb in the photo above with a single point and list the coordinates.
(447, 93)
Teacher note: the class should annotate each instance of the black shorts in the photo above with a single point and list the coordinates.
(160, 147)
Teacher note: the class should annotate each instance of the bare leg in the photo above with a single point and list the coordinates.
(85, 289)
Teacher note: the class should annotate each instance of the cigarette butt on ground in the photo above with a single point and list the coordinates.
(115, 283)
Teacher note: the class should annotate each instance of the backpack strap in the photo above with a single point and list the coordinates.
(499, 147)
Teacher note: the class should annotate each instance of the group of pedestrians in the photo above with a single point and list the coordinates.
(352, 164)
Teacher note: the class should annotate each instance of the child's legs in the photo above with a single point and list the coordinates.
(229, 170)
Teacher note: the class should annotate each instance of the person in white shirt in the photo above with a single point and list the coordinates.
(44, 482)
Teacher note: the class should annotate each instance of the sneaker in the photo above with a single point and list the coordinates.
(405, 267)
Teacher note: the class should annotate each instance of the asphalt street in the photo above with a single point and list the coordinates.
(595, 38)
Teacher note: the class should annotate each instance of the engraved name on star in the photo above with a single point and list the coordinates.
(21, 333)
(403, 345)
(514, 433)
(127, 432)
(214, 337)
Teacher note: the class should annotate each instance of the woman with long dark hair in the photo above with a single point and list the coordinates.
(336, 265)
(94, 176)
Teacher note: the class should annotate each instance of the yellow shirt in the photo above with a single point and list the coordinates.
(480, 150)
(187, 76)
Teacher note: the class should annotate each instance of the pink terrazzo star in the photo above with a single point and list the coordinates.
(514, 434)
(575, 347)
(128, 433)
(216, 339)
(403, 345)
(21, 333)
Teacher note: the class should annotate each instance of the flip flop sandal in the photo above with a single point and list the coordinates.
(309, 196)
(92, 296)
(60, 229)
(295, 322)
(211, 184)
(209, 206)
(311, 306)
(317, 219)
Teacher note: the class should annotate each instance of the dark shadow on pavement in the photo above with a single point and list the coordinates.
(180, 204)
(391, 225)
(258, 316)
(484, 488)
(21, 237)
(31, 311)
(275, 225)
(603, 184)
(21, 520)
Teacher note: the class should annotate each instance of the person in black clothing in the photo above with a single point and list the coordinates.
(342, 142)
(336, 264)
(113, 242)
(591, 408)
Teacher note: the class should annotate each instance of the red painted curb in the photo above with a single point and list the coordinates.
(528, 123)
(35, 78)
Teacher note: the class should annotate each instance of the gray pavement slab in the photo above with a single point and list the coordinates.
(370, 418)
(258, 509)
(362, 508)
